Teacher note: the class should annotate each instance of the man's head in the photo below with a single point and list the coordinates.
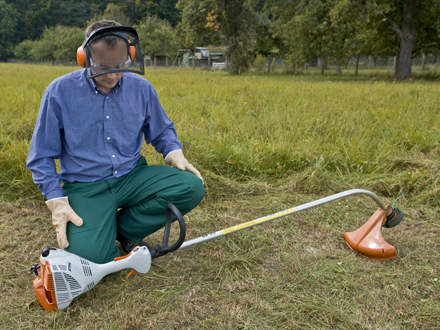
(106, 53)
(109, 50)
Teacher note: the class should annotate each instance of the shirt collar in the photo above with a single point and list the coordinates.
(95, 88)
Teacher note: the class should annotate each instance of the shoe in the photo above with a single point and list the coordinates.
(127, 245)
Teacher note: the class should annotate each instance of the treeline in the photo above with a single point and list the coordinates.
(299, 31)
(53, 29)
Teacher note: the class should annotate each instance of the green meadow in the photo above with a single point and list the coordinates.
(263, 143)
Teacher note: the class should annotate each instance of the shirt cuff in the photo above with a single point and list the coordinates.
(52, 199)
(171, 152)
(56, 193)
(171, 149)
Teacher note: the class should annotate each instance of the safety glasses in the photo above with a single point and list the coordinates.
(102, 68)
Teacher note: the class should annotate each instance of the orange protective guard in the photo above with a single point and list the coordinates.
(44, 287)
(368, 239)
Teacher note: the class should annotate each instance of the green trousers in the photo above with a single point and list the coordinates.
(142, 197)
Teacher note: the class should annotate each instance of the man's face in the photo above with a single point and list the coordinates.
(104, 58)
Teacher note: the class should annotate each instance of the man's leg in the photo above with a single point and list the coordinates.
(96, 205)
(145, 194)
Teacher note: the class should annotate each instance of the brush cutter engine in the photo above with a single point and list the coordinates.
(61, 276)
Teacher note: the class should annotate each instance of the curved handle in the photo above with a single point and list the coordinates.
(158, 250)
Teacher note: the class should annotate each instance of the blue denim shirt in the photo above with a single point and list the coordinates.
(95, 136)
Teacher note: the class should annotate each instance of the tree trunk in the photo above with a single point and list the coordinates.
(407, 35)
(269, 63)
(294, 67)
(405, 57)
(423, 60)
(338, 69)
(407, 40)
(370, 62)
(323, 64)
(356, 66)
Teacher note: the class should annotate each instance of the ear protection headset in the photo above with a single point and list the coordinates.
(118, 31)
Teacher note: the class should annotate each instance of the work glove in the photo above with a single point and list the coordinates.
(176, 159)
(62, 213)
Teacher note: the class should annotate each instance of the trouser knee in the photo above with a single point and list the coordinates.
(192, 192)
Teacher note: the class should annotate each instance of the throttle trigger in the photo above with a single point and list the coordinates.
(132, 272)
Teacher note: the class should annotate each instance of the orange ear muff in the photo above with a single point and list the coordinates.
(81, 56)
(132, 52)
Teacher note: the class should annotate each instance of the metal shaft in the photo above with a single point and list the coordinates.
(283, 213)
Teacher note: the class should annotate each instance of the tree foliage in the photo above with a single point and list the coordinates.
(58, 43)
(113, 12)
(8, 24)
(158, 37)
(230, 22)
(199, 24)
(238, 25)
(301, 31)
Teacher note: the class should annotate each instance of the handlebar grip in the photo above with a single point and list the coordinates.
(158, 250)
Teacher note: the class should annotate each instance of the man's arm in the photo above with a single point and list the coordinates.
(158, 128)
(160, 131)
(45, 147)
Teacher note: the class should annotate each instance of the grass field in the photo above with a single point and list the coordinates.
(263, 144)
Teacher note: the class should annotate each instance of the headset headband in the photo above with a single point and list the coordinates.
(109, 30)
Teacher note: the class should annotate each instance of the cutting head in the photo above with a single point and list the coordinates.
(368, 239)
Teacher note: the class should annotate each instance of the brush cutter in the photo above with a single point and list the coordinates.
(61, 276)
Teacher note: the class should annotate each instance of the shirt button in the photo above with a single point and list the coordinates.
(113, 156)
(108, 117)
(108, 138)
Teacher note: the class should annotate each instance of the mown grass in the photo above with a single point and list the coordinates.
(263, 143)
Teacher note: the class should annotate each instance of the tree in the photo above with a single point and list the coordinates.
(57, 43)
(8, 24)
(33, 16)
(199, 25)
(305, 28)
(405, 30)
(350, 22)
(68, 39)
(237, 21)
(230, 22)
(23, 50)
(268, 42)
(114, 12)
(410, 21)
(165, 10)
(157, 37)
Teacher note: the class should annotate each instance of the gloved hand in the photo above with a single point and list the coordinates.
(61, 214)
(176, 159)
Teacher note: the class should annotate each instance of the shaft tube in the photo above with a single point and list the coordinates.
(284, 213)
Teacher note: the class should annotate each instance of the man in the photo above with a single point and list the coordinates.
(93, 120)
